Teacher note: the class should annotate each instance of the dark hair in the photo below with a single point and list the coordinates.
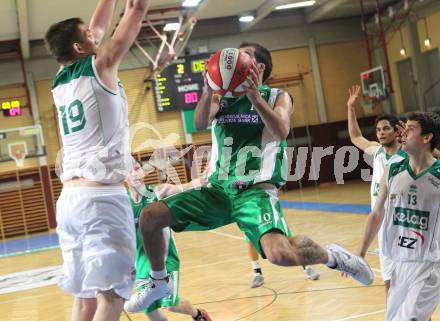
(262, 55)
(393, 120)
(430, 124)
(61, 36)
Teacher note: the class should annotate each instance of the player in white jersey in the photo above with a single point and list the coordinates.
(409, 207)
(95, 222)
(384, 152)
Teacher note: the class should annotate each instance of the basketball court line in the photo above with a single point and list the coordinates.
(360, 315)
(288, 293)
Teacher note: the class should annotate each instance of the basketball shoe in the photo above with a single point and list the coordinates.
(258, 281)
(311, 273)
(149, 292)
(353, 265)
(202, 316)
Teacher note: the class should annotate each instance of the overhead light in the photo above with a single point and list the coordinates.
(171, 26)
(427, 40)
(295, 5)
(246, 18)
(402, 46)
(190, 3)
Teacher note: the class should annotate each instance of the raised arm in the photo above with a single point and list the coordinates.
(354, 131)
(206, 108)
(374, 220)
(111, 53)
(102, 19)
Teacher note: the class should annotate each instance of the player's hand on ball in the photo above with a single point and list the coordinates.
(253, 82)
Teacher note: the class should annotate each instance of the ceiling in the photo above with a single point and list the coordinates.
(29, 19)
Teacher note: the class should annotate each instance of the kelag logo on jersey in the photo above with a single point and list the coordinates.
(407, 217)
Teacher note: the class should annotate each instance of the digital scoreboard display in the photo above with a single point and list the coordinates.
(11, 108)
(180, 84)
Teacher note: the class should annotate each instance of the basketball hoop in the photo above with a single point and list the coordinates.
(165, 47)
(367, 103)
(18, 152)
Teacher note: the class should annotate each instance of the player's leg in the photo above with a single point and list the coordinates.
(83, 309)
(157, 315)
(205, 207)
(258, 214)
(109, 306)
(255, 263)
(185, 307)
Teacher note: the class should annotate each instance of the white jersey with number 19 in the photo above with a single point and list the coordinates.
(93, 122)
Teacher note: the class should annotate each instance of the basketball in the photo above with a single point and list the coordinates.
(227, 72)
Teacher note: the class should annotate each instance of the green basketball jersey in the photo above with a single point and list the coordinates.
(142, 262)
(243, 150)
(411, 227)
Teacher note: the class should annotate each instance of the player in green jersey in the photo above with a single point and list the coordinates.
(140, 196)
(248, 164)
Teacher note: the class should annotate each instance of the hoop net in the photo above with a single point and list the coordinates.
(18, 152)
(163, 47)
(367, 103)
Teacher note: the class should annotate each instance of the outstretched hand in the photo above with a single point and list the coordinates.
(354, 93)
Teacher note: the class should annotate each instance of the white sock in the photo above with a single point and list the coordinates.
(331, 260)
(255, 264)
(159, 275)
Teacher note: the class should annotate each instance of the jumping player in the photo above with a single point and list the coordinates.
(95, 222)
(386, 151)
(408, 210)
(231, 196)
(140, 196)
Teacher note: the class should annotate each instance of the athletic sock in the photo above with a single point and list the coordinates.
(331, 260)
(256, 267)
(159, 275)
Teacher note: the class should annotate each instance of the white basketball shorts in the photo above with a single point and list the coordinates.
(414, 292)
(97, 239)
(386, 266)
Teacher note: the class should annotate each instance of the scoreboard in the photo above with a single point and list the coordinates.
(11, 108)
(179, 85)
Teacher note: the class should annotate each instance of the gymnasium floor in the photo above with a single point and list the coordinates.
(216, 273)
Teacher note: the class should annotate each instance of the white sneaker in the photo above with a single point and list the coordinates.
(258, 281)
(311, 273)
(353, 265)
(151, 291)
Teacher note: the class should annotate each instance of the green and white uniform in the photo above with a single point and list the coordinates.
(380, 162)
(411, 239)
(247, 166)
(94, 224)
(143, 264)
(93, 123)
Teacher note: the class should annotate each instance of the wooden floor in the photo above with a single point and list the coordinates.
(216, 273)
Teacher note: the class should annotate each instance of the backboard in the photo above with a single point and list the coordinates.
(25, 142)
(373, 84)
